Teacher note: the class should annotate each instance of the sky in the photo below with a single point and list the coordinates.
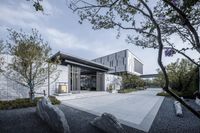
(59, 26)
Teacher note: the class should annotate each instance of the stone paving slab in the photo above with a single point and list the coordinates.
(137, 110)
(82, 94)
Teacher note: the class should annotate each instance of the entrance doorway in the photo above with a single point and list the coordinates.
(85, 79)
(88, 80)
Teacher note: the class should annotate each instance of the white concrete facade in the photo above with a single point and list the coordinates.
(112, 82)
(122, 61)
(104, 70)
(12, 90)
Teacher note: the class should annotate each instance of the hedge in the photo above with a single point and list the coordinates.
(25, 102)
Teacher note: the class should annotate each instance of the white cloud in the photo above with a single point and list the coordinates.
(63, 39)
(23, 14)
(50, 9)
(58, 27)
(66, 41)
(15, 17)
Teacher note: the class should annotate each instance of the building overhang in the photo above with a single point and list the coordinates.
(72, 60)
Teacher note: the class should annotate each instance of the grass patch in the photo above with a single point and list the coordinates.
(25, 102)
(165, 94)
(127, 90)
(187, 95)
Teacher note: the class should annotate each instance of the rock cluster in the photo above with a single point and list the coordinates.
(178, 108)
(108, 123)
(52, 115)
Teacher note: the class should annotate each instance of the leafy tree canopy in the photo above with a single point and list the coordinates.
(30, 64)
(37, 5)
(183, 76)
(151, 25)
(173, 17)
(132, 81)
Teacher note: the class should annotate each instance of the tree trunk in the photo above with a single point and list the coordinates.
(31, 93)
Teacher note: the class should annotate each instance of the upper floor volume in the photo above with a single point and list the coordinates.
(122, 62)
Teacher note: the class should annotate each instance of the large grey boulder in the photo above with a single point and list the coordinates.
(197, 101)
(52, 115)
(108, 123)
(178, 109)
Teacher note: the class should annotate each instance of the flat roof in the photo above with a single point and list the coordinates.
(70, 59)
(119, 52)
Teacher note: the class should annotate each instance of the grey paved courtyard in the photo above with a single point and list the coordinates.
(137, 109)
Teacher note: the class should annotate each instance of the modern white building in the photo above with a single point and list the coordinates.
(122, 62)
(78, 74)
(75, 75)
(81, 74)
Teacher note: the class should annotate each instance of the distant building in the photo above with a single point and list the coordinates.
(122, 62)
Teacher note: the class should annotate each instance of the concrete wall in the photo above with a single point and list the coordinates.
(62, 78)
(116, 61)
(8, 88)
(100, 81)
(12, 90)
(130, 64)
(122, 61)
(134, 66)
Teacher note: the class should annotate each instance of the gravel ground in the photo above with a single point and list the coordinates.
(167, 122)
(26, 121)
(22, 121)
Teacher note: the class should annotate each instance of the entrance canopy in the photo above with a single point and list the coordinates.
(76, 61)
(82, 74)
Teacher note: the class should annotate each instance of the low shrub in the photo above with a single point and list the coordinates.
(165, 94)
(25, 102)
(53, 100)
(185, 94)
(128, 90)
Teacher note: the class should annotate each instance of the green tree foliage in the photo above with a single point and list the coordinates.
(151, 29)
(183, 77)
(160, 80)
(152, 83)
(162, 19)
(132, 81)
(159, 21)
(30, 59)
(37, 5)
(180, 18)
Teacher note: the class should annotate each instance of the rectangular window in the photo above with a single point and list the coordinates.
(111, 63)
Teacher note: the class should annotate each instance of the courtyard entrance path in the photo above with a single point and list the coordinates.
(136, 109)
